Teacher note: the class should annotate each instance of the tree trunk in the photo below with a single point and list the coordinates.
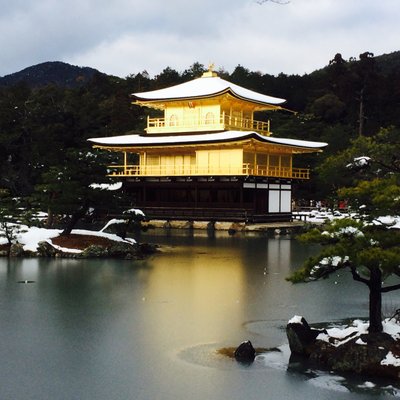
(75, 217)
(361, 114)
(375, 301)
(50, 218)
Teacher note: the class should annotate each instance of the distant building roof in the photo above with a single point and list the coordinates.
(209, 85)
(204, 138)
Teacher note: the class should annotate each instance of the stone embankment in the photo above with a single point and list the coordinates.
(94, 249)
(232, 227)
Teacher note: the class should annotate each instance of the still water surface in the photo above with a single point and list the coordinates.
(151, 329)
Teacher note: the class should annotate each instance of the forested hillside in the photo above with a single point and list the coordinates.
(50, 73)
(45, 158)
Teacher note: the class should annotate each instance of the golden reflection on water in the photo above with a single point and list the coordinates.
(203, 286)
(210, 288)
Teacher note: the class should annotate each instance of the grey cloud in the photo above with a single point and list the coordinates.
(127, 36)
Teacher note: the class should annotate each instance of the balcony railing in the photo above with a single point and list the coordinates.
(224, 122)
(192, 170)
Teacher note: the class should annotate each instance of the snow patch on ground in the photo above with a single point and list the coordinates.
(30, 237)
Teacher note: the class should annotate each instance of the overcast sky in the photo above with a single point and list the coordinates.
(123, 37)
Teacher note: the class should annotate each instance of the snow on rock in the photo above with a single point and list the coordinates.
(391, 359)
(357, 328)
(392, 328)
(297, 319)
(345, 333)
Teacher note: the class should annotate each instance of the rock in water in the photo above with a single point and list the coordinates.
(245, 353)
(301, 336)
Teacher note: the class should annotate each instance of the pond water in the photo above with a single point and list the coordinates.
(151, 329)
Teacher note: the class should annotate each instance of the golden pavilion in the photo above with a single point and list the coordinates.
(206, 157)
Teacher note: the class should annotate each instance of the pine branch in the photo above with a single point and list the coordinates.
(356, 276)
(390, 288)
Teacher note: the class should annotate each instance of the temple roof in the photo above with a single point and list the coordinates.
(204, 138)
(205, 87)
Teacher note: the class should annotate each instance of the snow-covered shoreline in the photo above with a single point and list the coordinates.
(30, 237)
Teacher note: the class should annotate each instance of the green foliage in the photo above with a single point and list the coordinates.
(67, 187)
(369, 247)
(328, 107)
(380, 196)
(378, 178)
(347, 242)
(12, 215)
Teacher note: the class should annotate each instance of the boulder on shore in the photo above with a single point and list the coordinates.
(301, 336)
(16, 250)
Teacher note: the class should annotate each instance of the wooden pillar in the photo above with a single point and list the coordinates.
(255, 197)
(195, 193)
(125, 162)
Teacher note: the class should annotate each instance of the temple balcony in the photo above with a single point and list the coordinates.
(247, 169)
(224, 122)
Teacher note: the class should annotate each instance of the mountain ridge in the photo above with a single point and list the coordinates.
(51, 72)
(67, 75)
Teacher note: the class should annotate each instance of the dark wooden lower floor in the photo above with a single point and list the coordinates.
(212, 198)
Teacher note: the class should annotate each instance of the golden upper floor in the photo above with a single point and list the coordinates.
(207, 104)
(206, 119)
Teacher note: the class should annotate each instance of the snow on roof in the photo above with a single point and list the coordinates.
(150, 140)
(205, 87)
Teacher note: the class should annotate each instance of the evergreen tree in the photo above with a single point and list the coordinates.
(67, 191)
(369, 247)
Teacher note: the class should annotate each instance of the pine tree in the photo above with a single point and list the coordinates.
(369, 246)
